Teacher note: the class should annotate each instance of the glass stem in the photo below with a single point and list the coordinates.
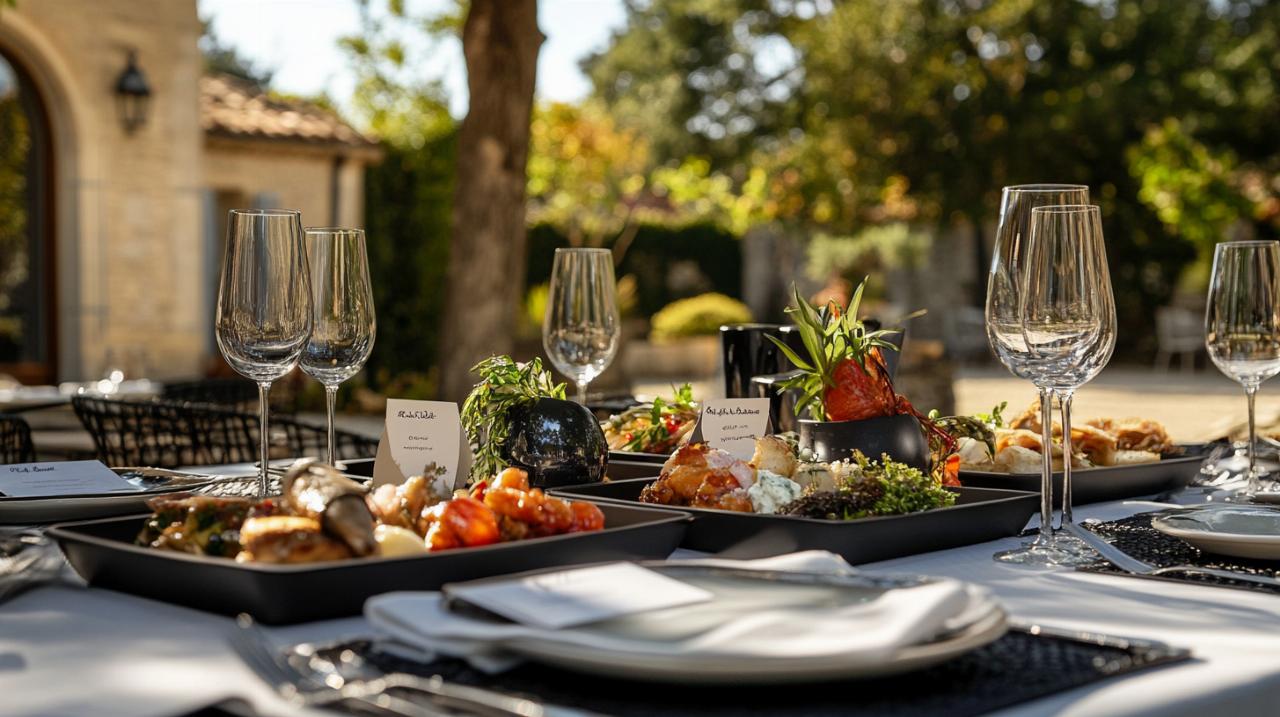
(582, 391)
(1065, 398)
(264, 437)
(330, 405)
(1046, 475)
(1251, 391)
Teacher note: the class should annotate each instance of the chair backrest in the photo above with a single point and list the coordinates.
(157, 434)
(169, 434)
(237, 392)
(15, 440)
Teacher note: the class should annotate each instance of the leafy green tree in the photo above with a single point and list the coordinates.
(222, 58)
(408, 195)
(920, 110)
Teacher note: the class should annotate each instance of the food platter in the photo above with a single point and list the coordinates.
(150, 481)
(104, 554)
(979, 515)
(1097, 485)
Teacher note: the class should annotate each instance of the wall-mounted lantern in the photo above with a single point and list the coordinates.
(133, 95)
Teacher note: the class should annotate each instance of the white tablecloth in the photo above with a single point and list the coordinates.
(71, 651)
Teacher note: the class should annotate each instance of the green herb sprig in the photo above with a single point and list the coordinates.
(504, 385)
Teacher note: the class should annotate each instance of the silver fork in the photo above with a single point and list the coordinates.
(301, 689)
(1130, 564)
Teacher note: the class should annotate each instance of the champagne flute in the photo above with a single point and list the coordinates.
(264, 304)
(580, 332)
(342, 317)
(1242, 325)
(1068, 323)
(1004, 313)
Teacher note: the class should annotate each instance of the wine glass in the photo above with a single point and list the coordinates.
(1004, 311)
(1068, 323)
(1242, 324)
(264, 304)
(580, 332)
(343, 324)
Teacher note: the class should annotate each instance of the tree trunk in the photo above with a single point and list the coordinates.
(500, 41)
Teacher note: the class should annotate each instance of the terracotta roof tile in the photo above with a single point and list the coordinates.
(233, 107)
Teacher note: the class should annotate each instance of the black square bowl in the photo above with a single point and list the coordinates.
(979, 515)
(103, 553)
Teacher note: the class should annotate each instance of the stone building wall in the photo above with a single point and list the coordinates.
(138, 218)
(127, 207)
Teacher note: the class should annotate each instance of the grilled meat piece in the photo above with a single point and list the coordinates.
(315, 490)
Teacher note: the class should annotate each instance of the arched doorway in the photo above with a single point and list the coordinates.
(28, 345)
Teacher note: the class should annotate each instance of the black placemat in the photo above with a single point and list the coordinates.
(1135, 536)
(1017, 668)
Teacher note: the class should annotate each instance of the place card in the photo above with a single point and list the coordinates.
(734, 424)
(61, 478)
(580, 596)
(419, 434)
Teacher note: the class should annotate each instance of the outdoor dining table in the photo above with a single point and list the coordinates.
(68, 650)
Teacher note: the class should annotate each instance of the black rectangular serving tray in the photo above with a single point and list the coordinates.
(618, 469)
(1099, 485)
(103, 553)
(655, 459)
(979, 515)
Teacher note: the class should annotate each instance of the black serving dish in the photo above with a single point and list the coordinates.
(899, 436)
(1098, 485)
(653, 459)
(979, 515)
(103, 553)
(558, 442)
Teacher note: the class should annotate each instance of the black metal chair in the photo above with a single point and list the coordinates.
(238, 392)
(169, 434)
(15, 440)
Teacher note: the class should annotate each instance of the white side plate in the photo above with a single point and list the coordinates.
(1240, 531)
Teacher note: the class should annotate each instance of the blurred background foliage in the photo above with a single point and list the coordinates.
(867, 131)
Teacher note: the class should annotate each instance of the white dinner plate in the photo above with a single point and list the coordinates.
(1241, 531)
(981, 622)
(52, 509)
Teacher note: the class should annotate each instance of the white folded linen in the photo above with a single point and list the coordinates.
(867, 632)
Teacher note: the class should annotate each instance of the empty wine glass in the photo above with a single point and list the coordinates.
(1242, 325)
(343, 324)
(264, 304)
(580, 332)
(1068, 324)
(1004, 310)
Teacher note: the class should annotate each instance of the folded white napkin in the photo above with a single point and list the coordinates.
(870, 631)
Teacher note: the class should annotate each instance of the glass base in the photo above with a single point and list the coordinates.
(1244, 495)
(1056, 550)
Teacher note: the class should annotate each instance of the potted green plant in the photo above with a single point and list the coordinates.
(845, 388)
(517, 416)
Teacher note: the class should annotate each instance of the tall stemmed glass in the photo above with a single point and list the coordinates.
(580, 332)
(1004, 311)
(1242, 324)
(342, 317)
(264, 304)
(1068, 322)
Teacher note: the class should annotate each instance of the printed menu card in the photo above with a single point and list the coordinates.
(61, 478)
(421, 436)
(734, 424)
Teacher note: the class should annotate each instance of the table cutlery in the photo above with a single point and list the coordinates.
(319, 681)
(337, 663)
(27, 559)
(1132, 565)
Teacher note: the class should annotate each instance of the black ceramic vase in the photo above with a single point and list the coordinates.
(899, 436)
(558, 442)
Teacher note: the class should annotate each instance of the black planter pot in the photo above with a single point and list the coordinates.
(899, 436)
(558, 442)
